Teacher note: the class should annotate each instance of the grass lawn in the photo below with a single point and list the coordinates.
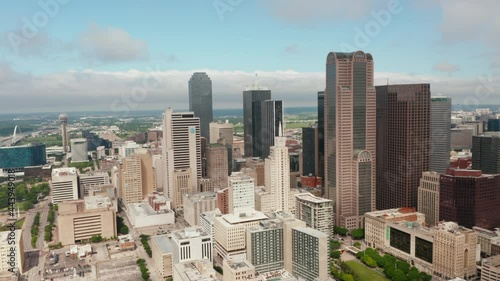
(365, 273)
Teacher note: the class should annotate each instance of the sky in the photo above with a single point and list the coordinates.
(75, 55)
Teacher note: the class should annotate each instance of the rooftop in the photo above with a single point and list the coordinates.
(5, 234)
(311, 231)
(239, 263)
(492, 261)
(62, 172)
(210, 215)
(408, 214)
(199, 270)
(143, 210)
(311, 198)
(163, 243)
(208, 195)
(189, 232)
(96, 202)
(242, 216)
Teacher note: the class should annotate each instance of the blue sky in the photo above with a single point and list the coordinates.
(99, 48)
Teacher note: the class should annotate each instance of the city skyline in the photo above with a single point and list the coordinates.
(73, 65)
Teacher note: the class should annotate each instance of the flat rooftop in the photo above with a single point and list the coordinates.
(96, 202)
(208, 195)
(242, 216)
(189, 232)
(311, 198)
(163, 243)
(311, 231)
(199, 270)
(62, 172)
(493, 261)
(394, 213)
(5, 234)
(143, 210)
(210, 215)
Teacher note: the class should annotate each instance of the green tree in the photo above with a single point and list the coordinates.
(334, 245)
(413, 275)
(358, 233)
(335, 254)
(218, 269)
(369, 261)
(340, 230)
(403, 266)
(124, 229)
(425, 277)
(399, 275)
(96, 238)
(347, 277)
(357, 245)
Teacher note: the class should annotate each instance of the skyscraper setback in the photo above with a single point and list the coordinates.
(252, 99)
(200, 100)
(403, 133)
(350, 117)
(440, 144)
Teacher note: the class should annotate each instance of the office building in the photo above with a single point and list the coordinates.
(198, 270)
(181, 148)
(321, 134)
(487, 239)
(461, 138)
(490, 269)
(440, 134)
(277, 174)
(191, 244)
(200, 101)
(64, 185)
(486, 153)
(230, 231)
(196, 204)
(265, 246)
(11, 252)
(182, 185)
(254, 167)
(217, 165)
(428, 197)
(470, 198)
(19, 157)
(207, 221)
(350, 137)
(92, 181)
(271, 126)
(403, 122)
(162, 255)
(85, 218)
(310, 252)
(100, 152)
(144, 215)
(63, 118)
(237, 269)
(129, 148)
(223, 200)
(223, 133)
(241, 194)
(159, 171)
(316, 212)
(136, 178)
(79, 152)
(493, 125)
(264, 200)
(310, 151)
(252, 123)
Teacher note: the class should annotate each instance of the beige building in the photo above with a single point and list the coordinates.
(263, 200)
(136, 178)
(181, 183)
(292, 200)
(230, 231)
(350, 136)
(221, 130)
(487, 239)
(254, 167)
(85, 218)
(289, 222)
(198, 270)
(428, 197)
(277, 174)
(241, 192)
(490, 269)
(317, 212)
(92, 181)
(237, 269)
(217, 165)
(162, 255)
(310, 254)
(196, 204)
(11, 252)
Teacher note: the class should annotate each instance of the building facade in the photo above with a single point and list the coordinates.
(162, 255)
(428, 197)
(79, 150)
(277, 174)
(64, 185)
(217, 165)
(271, 126)
(18, 157)
(196, 204)
(241, 193)
(265, 248)
(11, 252)
(93, 181)
(310, 252)
(321, 134)
(316, 212)
(310, 151)
(252, 98)
(191, 244)
(200, 100)
(486, 153)
(440, 134)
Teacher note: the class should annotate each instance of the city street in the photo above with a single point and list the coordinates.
(35, 258)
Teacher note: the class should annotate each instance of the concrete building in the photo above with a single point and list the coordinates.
(136, 178)
(207, 222)
(321, 134)
(220, 130)
(350, 137)
(199, 270)
(310, 151)
(264, 201)
(162, 255)
(230, 231)
(79, 151)
(143, 215)
(237, 269)
(63, 118)
(265, 247)
(100, 152)
(252, 114)
(403, 120)
(428, 197)
(223, 200)
(159, 172)
(277, 174)
(196, 204)
(487, 239)
(11, 252)
(241, 194)
(64, 185)
(200, 100)
(461, 138)
(440, 134)
(129, 148)
(217, 165)
(85, 218)
(316, 212)
(92, 181)
(191, 244)
(310, 252)
(486, 153)
(490, 269)
(181, 153)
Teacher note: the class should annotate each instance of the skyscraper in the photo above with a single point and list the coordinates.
(486, 153)
(277, 174)
(440, 134)
(64, 131)
(271, 122)
(252, 98)
(403, 132)
(350, 117)
(428, 197)
(321, 134)
(200, 100)
(223, 133)
(310, 151)
(217, 165)
(181, 151)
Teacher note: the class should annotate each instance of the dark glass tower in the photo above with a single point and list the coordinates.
(252, 99)
(200, 101)
(493, 125)
(486, 153)
(310, 155)
(403, 134)
(321, 134)
(440, 134)
(270, 126)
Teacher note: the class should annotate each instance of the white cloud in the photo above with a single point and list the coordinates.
(446, 67)
(110, 44)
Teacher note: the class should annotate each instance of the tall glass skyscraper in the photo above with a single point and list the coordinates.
(440, 134)
(271, 124)
(350, 120)
(252, 115)
(321, 134)
(200, 101)
(16, 157)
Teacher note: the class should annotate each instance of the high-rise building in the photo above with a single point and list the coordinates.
(79, 152)
(428, 197)
(63, 118)
(493, 125)
(310, 252)
(64, 185)
(181, 150)
(470, 198)
(350, 136)
(182, 185)
(265, 246)
(486, 153)
(92, 181)
(196, 204)
(252, 98)
(321, 134)
(200, 100)
(440, 134)
(162, 255)
(223, 200)
(191, 244)
(316, 212)
(241, 193)
(403, 133)
(310, 151)
(270, 127)
(277, 173)
(130, 179)
(223, 133)
(11, 252)
(217, 165)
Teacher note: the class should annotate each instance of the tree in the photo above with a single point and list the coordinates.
(369, 261)
(347, 277)
(399, 275)
(218, 269)
(413, 275)
(403, 266)
(425, 277)
(357, 245)
(124, 229)
(335, 254)
(340, 230)
(358, 233)
(96, 238)
(334, 245)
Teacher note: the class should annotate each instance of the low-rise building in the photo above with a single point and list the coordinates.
(191, 244)
(162, 255)
(198, 270)
(126, 242)
(237, 269)
(143, 215)
(490, 269)
(487, 239)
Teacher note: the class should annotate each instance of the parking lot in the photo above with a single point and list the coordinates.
(66, 266)
(123, 270)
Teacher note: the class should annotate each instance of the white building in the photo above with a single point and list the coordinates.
(317, 212)
(143, 215)
(11, 252)
(79, 152)
(195, 204)
(241, 194)
(277, 174)
(221, 130)
(64, 185)
(191, 244)
(129, 148)
(207, 221)
(101, 152)
(237, 268)
(92, 181)
(263, 200)
(199, 270)
(162, 255)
